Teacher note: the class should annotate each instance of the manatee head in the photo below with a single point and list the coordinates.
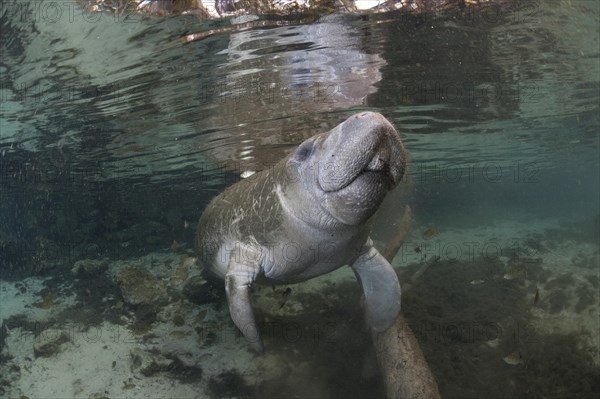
(342, 176)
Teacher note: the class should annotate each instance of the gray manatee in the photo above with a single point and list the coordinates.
(308, 215)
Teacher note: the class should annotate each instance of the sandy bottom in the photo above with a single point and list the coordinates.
(508, 310)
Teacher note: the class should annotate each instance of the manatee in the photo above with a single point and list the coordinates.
(308, 215)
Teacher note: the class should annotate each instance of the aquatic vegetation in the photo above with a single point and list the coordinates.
(178, 334)
(587, 297)
(139, 287)
(229, 383)
(178, 320)
(89, 267)
(452, 323)
(49, 342)
(558, 367)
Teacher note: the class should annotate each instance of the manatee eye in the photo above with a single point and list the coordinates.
(304, 151)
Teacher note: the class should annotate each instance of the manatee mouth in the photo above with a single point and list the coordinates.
(365, 147)
(376, 170)
(358, 196)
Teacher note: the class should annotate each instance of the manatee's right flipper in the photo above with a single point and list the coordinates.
(238, 281)
(380, 286)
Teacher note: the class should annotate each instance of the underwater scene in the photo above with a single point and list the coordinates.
(120, 122)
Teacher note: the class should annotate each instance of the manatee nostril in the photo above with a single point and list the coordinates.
(377, 164)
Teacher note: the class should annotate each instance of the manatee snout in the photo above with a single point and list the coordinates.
(321, 197)
(364, 143)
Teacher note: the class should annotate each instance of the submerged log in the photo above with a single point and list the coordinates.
(406, 374)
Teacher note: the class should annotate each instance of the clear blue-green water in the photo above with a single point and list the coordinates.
(116, 132)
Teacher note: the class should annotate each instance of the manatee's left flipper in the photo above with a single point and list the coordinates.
(237, 285)
(380, 286)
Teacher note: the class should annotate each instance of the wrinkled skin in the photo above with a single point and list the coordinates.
(308, 215)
